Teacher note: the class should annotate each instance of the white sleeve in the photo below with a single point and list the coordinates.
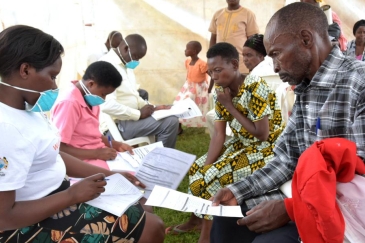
(118, 110)
(16, 157)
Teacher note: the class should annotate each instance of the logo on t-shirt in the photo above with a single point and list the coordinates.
(3, 165)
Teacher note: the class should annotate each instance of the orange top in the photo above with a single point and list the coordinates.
(197, 72)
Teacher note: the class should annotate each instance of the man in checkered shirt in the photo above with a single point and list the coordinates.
(330, 87)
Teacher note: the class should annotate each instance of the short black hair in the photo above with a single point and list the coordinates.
(297, 16)
(359, 23)
(197, 46)
(224, 50)
(104, 74)
(24, 44)
(136, 40)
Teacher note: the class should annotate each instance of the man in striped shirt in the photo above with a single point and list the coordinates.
(330, 92)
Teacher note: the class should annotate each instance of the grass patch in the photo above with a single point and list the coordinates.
(194, 141)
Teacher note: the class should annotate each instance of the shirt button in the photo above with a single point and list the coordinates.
(307, 106)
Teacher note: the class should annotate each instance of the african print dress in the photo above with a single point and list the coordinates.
(243, 153)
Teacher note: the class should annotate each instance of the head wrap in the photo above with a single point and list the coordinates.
(334, 31)
(318, 1)
(256, 42)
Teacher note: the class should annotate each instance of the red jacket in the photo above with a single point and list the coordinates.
(313, 204)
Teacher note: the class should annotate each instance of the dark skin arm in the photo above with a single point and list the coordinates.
(213, 40)
(14, 215)
(80, 169)
(266, 216)
(118, 146)
(216, 143)
(259, 129)
(102, 153)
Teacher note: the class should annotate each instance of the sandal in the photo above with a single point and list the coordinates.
(174, 230)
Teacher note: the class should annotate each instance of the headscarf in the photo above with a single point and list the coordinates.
(256, 42)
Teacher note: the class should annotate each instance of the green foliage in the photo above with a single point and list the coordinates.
(193, 141)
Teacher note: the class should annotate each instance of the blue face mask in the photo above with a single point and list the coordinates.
(45, 101)
(92, 100)
(133, 63)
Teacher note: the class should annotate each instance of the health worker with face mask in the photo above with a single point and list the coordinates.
(125, 106)
(37, 201)
(76, 114)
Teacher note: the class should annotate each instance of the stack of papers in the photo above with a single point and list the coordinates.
(183, 109)
(164, 167)
(119, 195)
(126, 162)
(167, 198)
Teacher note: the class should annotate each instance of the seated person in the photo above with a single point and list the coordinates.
(131, 113)
(356, 47)
(76, 115)
(330, 88)
(250, 108)
(37, 203)
(99, 49)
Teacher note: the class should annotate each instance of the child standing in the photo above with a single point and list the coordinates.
(196, 85)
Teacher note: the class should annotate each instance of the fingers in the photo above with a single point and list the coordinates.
(218, 198)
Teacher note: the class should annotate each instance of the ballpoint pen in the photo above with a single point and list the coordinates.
(110, 142)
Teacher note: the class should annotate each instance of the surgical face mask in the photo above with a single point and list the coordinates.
(45, 101)
(133, 63)
(91, 99)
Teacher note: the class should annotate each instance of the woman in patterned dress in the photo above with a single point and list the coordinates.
(252, 112)
(37, 203)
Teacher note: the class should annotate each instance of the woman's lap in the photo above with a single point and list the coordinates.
(83, 223)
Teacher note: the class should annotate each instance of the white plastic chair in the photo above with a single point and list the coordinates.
(114, 131)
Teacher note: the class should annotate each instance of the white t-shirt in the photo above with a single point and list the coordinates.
(30, 162)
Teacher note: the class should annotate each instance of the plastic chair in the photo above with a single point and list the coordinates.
(114, 131)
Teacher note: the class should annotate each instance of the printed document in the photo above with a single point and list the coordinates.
(183, 109)
(126, 161)
(119, 195)
(164, 167)
(168, 198)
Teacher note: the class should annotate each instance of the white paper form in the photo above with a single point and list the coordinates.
(135, 160)
(119, 195)
(165, 167)
(168, 198)
(128, 162)
(183, 109)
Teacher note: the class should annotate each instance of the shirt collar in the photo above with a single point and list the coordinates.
(77, 94)
(328, 68)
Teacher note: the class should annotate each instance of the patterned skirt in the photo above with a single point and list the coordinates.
(198, 92)
(235, 162)
(82, 223)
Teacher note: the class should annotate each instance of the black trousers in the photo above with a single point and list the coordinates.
(226, 230)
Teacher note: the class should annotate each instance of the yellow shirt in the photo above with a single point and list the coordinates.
(234, 26)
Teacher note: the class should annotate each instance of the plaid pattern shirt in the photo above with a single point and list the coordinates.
(350, 51)
(335, 95)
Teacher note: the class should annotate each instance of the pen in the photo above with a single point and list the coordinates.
(318, 125)
(110, 142)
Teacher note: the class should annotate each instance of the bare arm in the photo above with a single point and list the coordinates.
(213, 40)
(259, 129)
(14, 215)
(102, 153)
(217, 141)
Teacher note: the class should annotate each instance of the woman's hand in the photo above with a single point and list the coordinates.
(87, 189)
(106, 153)
(224, 97)
(122, 147)
(133, 179)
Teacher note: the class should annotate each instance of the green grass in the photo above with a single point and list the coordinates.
(194, 141)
